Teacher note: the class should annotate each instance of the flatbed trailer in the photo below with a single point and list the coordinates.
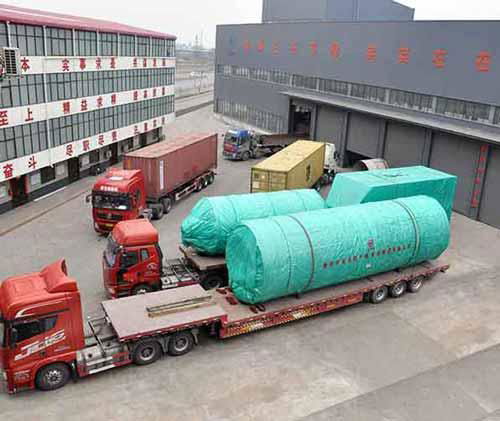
(140, 337)
(142, 328)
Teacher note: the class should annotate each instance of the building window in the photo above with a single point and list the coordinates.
(334, 86)
(59, 42)
(127, 45)
(86, 43)
(143, 49)
(306, 82)
(282, 78)
(26, 90)
(463, 110)
(371, 93)
(4, 40)
(48, 174)
(109, 44)
(170, 48)
(19, 141)
(29, 39)
(411, 100)
(159, 48)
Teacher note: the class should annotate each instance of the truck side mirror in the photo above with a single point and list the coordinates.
(88, 198)
(13, 337)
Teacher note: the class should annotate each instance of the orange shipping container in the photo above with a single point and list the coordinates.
(170, 164)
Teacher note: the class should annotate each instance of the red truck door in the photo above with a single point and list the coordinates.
(142, 267)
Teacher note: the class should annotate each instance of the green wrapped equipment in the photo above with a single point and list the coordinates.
(285, 255)
(375, 186)
(213, 218)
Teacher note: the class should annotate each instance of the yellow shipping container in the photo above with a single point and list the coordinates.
(299, 166)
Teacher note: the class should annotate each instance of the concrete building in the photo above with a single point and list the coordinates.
(408, 91)
(89, 91)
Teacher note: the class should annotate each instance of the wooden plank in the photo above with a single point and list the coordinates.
(203, 263)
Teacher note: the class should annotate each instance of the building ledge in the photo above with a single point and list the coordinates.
(462, 128)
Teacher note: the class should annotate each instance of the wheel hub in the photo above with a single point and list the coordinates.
(53, 377)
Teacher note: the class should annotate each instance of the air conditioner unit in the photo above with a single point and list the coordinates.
(10, 59)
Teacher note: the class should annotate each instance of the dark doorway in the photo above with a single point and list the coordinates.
(18, 191)
(300, 121)
(73, 169)
(114, 158)
(143, 140)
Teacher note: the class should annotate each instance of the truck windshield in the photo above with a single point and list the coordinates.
(111, 251)
(231, 138)
(107, 201)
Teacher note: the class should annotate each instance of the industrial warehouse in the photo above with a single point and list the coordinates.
(363, 75)
(81, 93)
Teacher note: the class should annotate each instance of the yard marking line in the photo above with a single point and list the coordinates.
(50, 194)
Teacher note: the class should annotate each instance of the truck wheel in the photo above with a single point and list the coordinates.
(158, 212)
(212, 282)
(141, 289)
(379, 295)
(167, 204)
(415, 285)
(245, 156)
(397, 290)
(146, 353)
(211, 178)
(199, 186)
(180, 343)
(52, 377)
(205, 182)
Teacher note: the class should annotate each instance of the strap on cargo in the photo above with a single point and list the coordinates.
(415, 227)
(313, 263)
(289, 254)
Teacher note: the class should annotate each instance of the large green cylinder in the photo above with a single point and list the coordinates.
(280, 256)
(212, 219)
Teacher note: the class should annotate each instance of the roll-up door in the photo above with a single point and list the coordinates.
(490, 202)
(404, 145)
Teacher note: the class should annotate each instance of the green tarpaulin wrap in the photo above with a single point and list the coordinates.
(212, 219)
(284, 255)
(375, 186)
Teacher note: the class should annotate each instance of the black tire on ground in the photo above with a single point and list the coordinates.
(245, 156)
(212, 282)
(397, 290)
(415, 285)
(157, 212)
(141, 289)
(180, 343)
(211, 178)
(52, 377)
(167, 204)
(199, 186)
(147, 352)
(205, 182)
(379, 295)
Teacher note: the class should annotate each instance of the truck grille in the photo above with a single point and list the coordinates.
(110, 217)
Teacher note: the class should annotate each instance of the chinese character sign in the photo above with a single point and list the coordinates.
(8, 170)
(65, 65)
(313, 47)
(439, 58)
(335, 50)
(25, 64)
(483, 61)
(294, 48)
(404, 55)
(4, 118)
(371, 53)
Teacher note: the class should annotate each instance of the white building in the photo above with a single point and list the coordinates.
(89, 91)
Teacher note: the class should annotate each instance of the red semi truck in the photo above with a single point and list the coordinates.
(153, 179)
(42, 335)
(133, 263)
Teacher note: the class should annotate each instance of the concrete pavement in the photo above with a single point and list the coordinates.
(430, 356)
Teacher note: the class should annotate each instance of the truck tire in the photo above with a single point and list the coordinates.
(180, 343)
(147, 352)
(397, 290)
(52, 377)
(415, 285)
(141, 289)
(212, 282)
(167, 204)
(205, 182)
(157, 212)
(245, 156)
(199, 186)
(379, 295)
(211, 178)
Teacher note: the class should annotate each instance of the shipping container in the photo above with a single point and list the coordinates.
(171, 164)
(299, 166)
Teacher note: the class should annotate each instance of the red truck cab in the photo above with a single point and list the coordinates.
(132, 261)
(118, 196)
(41, 329)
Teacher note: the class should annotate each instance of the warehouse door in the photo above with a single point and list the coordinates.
(300, 121)
(18, 190)
(113, 160)
(458, 156)
(490, 202)
(404, 145)
(330, 125)
(363, 135)
(73, 169)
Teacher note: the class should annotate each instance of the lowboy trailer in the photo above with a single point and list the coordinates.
(43, 343)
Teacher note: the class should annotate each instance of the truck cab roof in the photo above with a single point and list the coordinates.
(116, 180)
(25, 295)
(238, 133)
(136, 232)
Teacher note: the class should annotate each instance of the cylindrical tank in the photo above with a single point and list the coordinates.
(212, 219)
(280, 256)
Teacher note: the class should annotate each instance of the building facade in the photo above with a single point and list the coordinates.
(410, 92)
(89, 91)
